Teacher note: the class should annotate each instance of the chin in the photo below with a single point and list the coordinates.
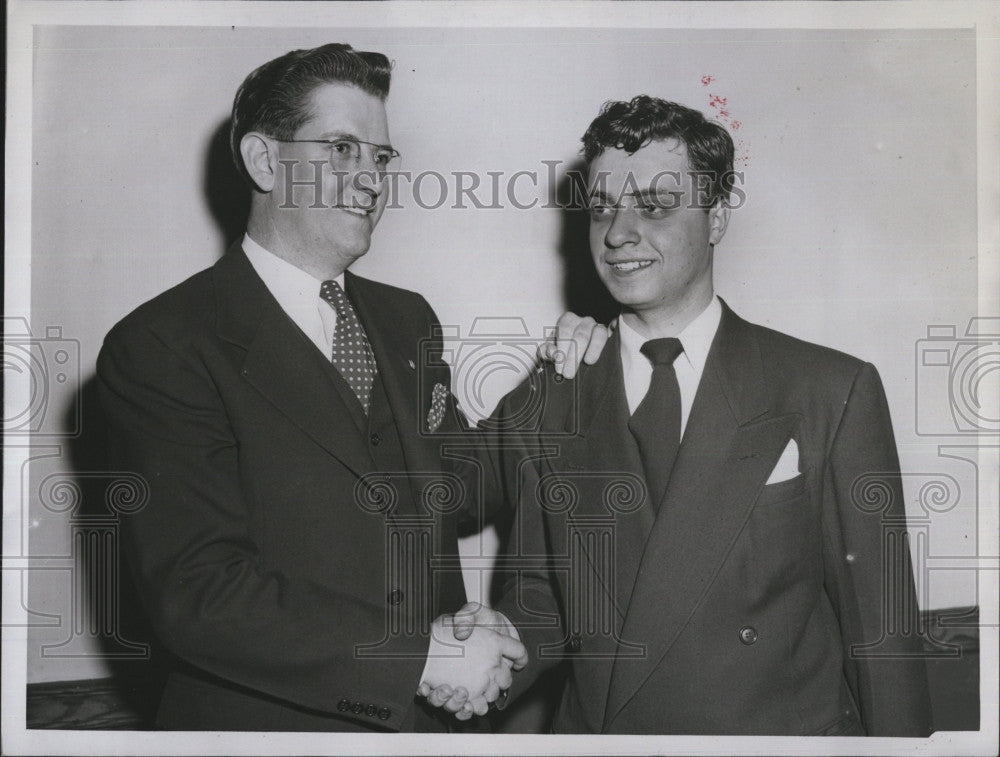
(354, 248)
(628, 297)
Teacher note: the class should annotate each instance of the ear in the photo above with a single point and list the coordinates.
(260, 159)
(718, 220)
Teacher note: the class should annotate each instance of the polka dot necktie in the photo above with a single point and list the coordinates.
(656, 423)
(352, 354)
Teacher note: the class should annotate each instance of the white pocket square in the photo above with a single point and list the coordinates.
(787, 466)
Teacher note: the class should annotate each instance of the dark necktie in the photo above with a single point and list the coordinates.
(352, 354)
(656, 423)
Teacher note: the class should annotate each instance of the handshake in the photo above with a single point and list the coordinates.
(470, 660)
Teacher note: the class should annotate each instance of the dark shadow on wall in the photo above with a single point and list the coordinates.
(583, 292)
(106, 618)
(226, 193)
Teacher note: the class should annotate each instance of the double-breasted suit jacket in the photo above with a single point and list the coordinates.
(734, 605)
(286, 554)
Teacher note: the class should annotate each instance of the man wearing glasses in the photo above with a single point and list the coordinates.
(274, 405)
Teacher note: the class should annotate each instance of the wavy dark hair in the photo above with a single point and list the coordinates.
(275, 98)
(632, 125)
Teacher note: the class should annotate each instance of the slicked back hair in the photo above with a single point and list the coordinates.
(275, 98)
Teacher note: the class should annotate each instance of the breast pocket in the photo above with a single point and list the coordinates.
(783, 491)
(784, 537)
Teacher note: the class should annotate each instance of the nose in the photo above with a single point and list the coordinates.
(367, 182)
(366, 197)
(622, 230)
(366, 162)
(365, 159)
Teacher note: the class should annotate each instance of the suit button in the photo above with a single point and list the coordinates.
(376, 439)
(357, 708)
(748, 635)
(575, 643)
(343, 705)
(395, 597)
(384, 714)
(371, 710)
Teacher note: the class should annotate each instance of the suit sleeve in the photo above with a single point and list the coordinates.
(868, 567)
(463, 452)
(211, 600)
(530, 596)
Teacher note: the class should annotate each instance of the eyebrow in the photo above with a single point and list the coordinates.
(643, 194)
(647, 194)
(334, 135)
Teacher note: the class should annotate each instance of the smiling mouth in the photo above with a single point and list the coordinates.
(629, 266)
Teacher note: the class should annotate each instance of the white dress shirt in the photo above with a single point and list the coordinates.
(298, 294)
(696, 339)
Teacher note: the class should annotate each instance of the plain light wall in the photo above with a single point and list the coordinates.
(858, 231)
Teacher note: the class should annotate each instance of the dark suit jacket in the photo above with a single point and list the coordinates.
(298, 599)
(743, 608)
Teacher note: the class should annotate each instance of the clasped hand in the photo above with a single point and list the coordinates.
(470, 660)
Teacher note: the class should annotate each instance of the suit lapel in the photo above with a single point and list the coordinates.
(602, 453)
(730, 444)
(281, 362)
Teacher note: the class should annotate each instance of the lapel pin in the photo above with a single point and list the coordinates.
(411, 364)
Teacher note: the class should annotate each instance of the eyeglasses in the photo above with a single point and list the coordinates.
(345, 152)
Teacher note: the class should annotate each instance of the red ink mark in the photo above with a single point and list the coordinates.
(720, 105)
(742, 155)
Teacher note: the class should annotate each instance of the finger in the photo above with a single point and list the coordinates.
(566, 353)
(465, 620)
(468, 612)
(492, 691)
(577, 346)
(513, 650)
(463, 715)
(598, 338)
(423, 689)
(546, 352)
(439, 696)
(464, 626)
(504, 678)
(458, 699)
(480, 706)
(565, 327)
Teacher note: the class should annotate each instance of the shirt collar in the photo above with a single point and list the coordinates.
(696, 339)
(294, 289)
